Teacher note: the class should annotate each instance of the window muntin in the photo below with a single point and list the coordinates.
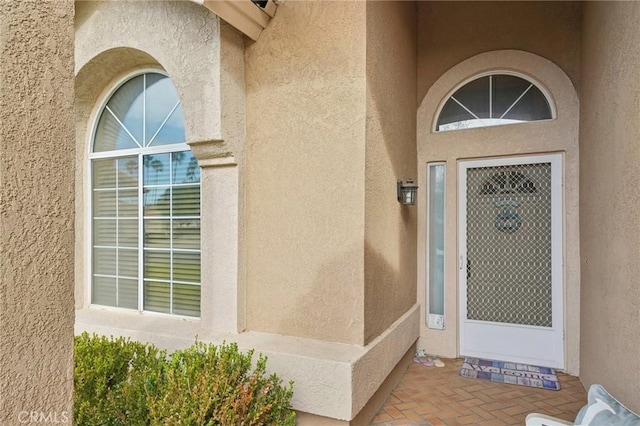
(144, 111)
(494, 100)
(145, 202)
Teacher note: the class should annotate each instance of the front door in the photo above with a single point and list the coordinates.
(510, 259)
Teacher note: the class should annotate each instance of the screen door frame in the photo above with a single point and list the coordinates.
(515, 342)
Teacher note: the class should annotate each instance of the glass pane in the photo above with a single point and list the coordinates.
(156, 169)
(128, 203)
(186, 267)
(104, 203)
(157, 233)
(436, 238)
(453, 117)
(104, 261)
(156, 201)
(111, 135)
(506, 89)
(128, 172)
(157, 265)
(186, 233)
(186, 299)
(475, 96)
(164, 118)
(193, 170)
(128, 233)
(172, 131)
(186, 200)
(104, 173)
(127, 105)
(128, 263)
(128, 293)
(531, 107)
(184, 167)
(104, 232)
(103, 291)
(157, 296)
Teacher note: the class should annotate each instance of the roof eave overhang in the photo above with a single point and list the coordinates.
(245, 15)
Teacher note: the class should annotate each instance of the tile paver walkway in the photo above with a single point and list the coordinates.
(432, 396)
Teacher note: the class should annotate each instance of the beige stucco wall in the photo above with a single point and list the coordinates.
(306, 112)
(451, 31)
(390, 155)
(610, 199)
(36, 211)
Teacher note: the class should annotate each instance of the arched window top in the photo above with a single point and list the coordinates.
(144, 111)
(494, 100)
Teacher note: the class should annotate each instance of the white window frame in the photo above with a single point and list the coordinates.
(530, 79)
(90, 155)
(435, 321)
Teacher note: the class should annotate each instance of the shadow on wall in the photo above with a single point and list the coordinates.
(390, 289)
(332, 308)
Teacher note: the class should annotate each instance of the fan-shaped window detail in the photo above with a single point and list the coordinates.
(494, 100)
(145, 202)
(145, 111)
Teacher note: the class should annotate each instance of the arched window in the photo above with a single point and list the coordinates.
(494, 100)
(145, 202)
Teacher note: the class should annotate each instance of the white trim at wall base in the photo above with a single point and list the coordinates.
(331, 379)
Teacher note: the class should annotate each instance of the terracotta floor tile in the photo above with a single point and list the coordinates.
(494, 422)
(482, 413)
(469, 420)
(430, 396)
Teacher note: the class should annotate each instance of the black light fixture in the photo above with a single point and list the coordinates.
(407, 192)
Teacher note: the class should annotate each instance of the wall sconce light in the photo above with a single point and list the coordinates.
(407, 192)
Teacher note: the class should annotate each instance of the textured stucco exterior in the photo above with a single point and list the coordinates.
(306, 113)
(301, 136)
(610, 199)
(452, 31)
(36, 211)
(390, 155)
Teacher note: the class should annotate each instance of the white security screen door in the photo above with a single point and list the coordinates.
(510, 260)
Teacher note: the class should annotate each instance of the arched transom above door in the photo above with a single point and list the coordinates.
(492, 100)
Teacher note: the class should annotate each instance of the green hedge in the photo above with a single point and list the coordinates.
(122, 382)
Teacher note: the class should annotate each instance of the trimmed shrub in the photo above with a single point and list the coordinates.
(109, 379)
(122, 382)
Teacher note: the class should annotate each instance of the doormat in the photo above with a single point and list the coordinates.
(511, 373)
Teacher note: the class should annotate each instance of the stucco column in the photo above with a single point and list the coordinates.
(36, 211)
(219, 236)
